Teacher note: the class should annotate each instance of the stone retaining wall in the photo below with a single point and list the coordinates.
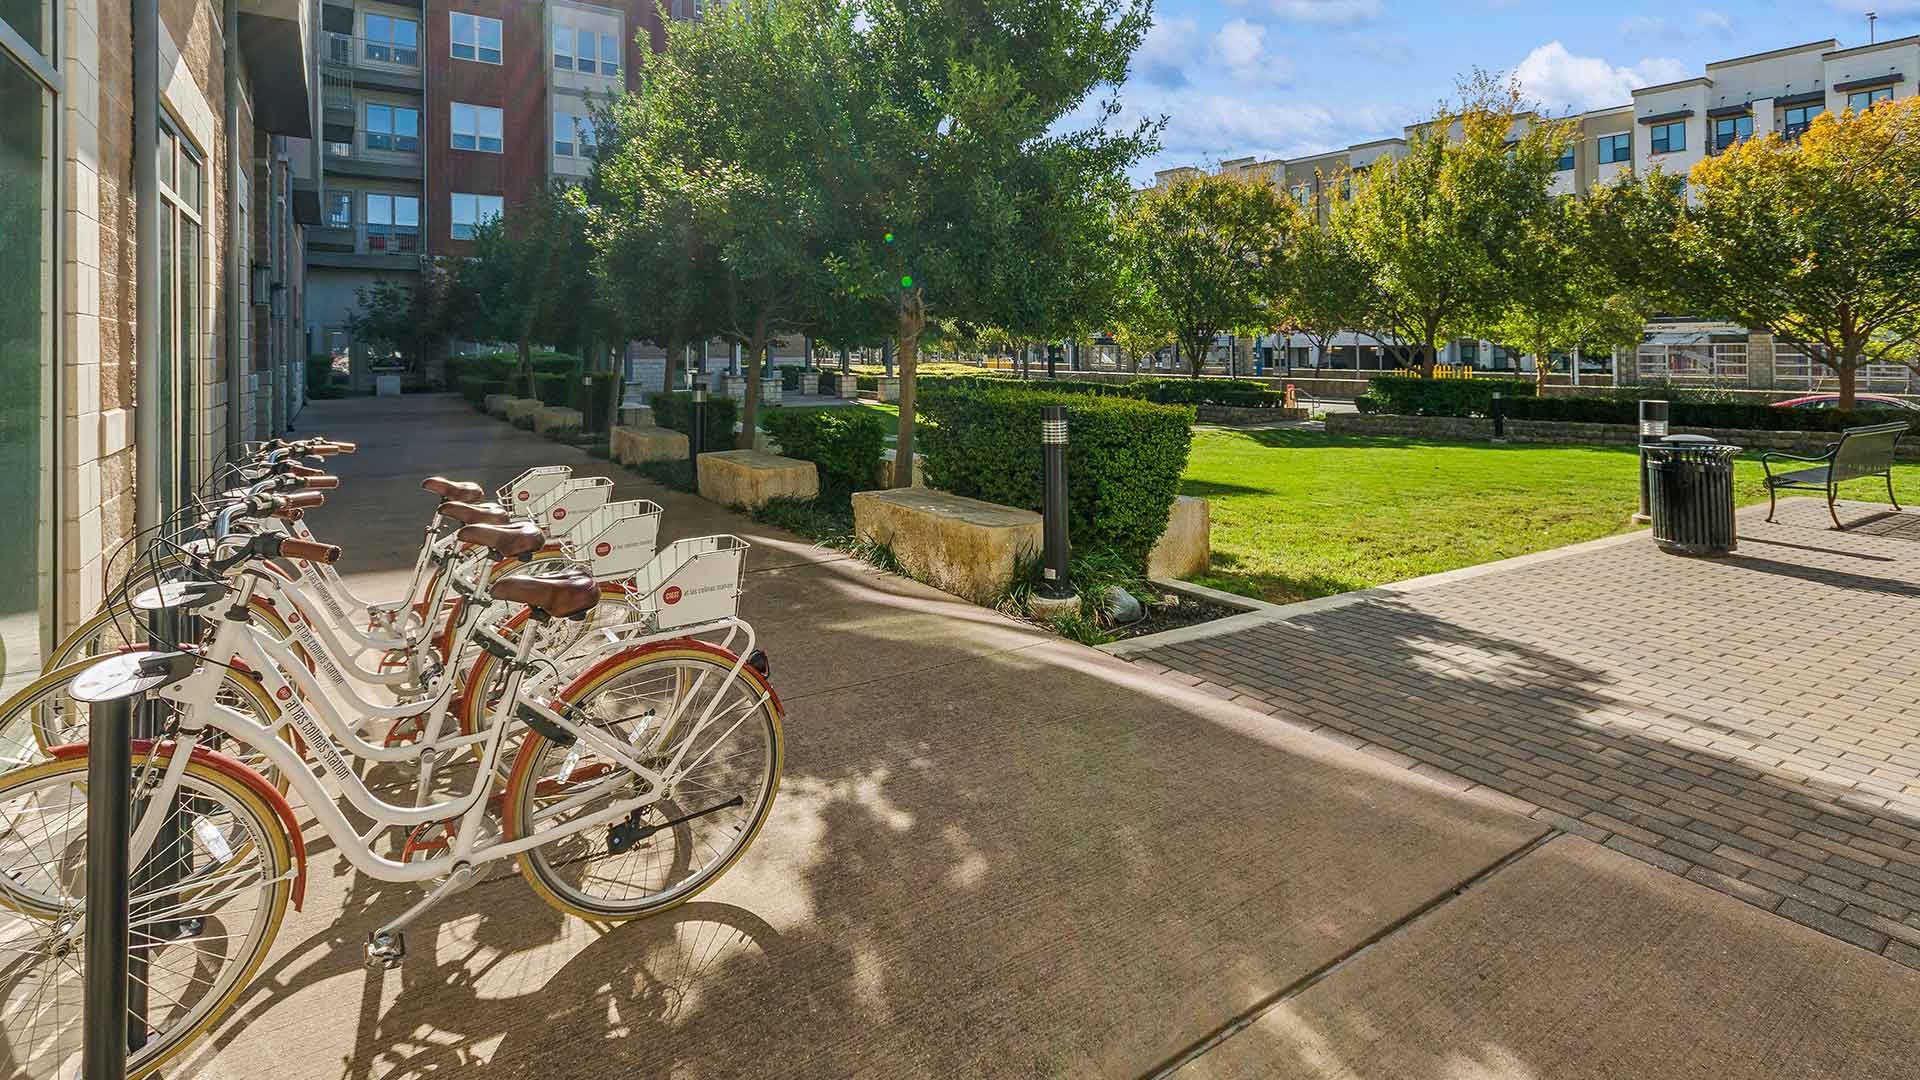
(1236, 414)
(1472, 429)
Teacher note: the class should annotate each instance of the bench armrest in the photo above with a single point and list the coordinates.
(1771, 454)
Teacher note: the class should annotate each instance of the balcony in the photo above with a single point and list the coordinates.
(360, 246)
(373, 63)
(346, 154)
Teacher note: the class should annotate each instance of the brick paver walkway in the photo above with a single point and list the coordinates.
(1751, 722)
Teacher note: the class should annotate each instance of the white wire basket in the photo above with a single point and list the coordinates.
(617, 539)
(692, 581)
(568, 503)
(522, 491)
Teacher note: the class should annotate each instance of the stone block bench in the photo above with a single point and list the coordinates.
(638, 445)
(495, 404)
(521, 408)
(636, 416)
(552, 418)
(753, 478)
(965, 546)
(1185, 548)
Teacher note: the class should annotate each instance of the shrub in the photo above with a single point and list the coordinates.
(552, 388)
(592, 394)
(320, 378)
(675, 410)
(476, 388)
(844, 442)
(1694, 414)
(868, 382)
(1235, 392)
(1124, 456)
(1402, 396)
(790, 379)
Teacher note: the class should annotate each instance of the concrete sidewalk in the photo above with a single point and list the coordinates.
(997, 853)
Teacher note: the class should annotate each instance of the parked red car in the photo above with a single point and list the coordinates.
(1860, 401)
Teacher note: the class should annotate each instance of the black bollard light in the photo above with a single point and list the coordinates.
(1653, 428)
(696, 429)
(1499, 418)
(1053, 448)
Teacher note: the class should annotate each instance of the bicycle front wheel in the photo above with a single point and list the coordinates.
(713, 804)
(203, 912)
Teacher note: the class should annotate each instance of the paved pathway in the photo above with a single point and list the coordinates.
(1752, 723)
(996, 853)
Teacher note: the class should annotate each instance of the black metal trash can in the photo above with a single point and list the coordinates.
(1690, 495)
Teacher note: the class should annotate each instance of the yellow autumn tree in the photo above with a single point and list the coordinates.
(1815, 241)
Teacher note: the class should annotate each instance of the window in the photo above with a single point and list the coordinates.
(392, 127)
(1862, 100)
(1796, 120)
(472, 211)
(339, 149)
(1564, 163)
(563, 48)
(1616, 148)
(1669, 138)
(29, 203)
(339, 210)
(393, 41)
(393, 223)
(609, 55)
(584, 60)
(572, 135)
(476, 127)
(1732, 129)
(476, 37)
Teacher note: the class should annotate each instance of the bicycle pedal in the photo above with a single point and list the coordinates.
(386, 951)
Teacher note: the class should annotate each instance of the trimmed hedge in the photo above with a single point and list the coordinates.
(552, 388)
(1697, 414)
(592, 393)
(844, 442)
(505, 366)
(475, 388)
(320, 378)
(868, 382)
(1235, 392)
(1124, 456)
(675, 410)
(790, 379)
(1402, 396)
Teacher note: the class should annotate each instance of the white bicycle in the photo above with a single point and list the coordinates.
(641, 777)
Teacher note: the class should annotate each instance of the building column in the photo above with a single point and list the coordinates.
(1760, 361)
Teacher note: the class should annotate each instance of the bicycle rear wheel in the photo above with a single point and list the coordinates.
(199, 937)
(710, 812)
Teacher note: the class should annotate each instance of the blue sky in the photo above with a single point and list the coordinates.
(1285, 78)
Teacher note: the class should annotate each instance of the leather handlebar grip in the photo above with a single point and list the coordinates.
(294, 468)
(303, 498)
(319, 482)
(310, 551)
(291, 513)
(336, 447)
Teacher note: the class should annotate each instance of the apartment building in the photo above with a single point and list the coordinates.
(137, 190)
(440, 115)
(1669, 127)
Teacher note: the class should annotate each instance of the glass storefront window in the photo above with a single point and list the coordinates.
(26, 323)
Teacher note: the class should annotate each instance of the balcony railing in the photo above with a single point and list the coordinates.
(351, 51)
(377, 239)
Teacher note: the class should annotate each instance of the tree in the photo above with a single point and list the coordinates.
(1442, 224)
(521, 282)
(718, 158)
(1207, 250)
(1559, 299)
(406, 320)
(1324, 285)
(953, 159)
(1816, 242)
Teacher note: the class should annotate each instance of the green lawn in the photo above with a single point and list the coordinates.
(1300, 514)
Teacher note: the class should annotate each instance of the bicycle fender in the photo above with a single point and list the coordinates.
(747, 671)
(227, 766)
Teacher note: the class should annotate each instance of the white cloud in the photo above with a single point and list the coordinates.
(1647, 28)
(1715, 22)
(1562, 80)
(1240, 46)
(1165, 50)
(1334, 12)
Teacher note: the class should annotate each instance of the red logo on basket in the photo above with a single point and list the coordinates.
(559, 512)
(293, 616)
(523, 496)
(672, 595)
(283, 693)
(603, 549)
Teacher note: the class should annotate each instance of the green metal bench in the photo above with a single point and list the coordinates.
(1861, 452)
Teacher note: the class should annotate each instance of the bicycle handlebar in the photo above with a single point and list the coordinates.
(309, 550)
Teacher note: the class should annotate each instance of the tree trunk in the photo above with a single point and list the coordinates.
(753, 357)
(619, 392)
(846, 360)
(913, 318)
(1542, 366)
(676, 354)
(526, 368)
(886, 358)
(1196, 356)
(1848, 370)
(1428, 359)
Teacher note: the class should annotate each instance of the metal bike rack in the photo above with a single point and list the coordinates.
(115, 1016)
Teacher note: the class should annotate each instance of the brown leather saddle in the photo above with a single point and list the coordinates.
(559, 595)
(456, 490)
